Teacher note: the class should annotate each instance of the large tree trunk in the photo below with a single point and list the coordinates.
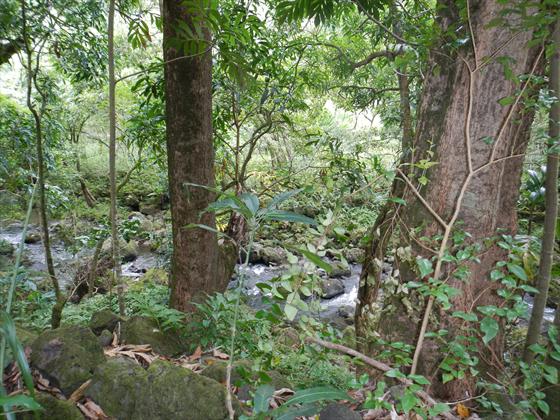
(188, 84)
(458, 111)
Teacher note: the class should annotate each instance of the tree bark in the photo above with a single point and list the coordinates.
(551, 205)
(188, 84)
(459, 109)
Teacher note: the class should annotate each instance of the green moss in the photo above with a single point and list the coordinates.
(103, 320)
(120, 386)
(54, 409)
(177, 391)
(67, 356)
(142, 330)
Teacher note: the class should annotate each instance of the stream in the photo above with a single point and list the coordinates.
(338, 310)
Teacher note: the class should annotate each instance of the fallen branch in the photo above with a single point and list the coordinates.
(377, 365)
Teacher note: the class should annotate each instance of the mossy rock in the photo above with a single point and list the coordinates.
(54, 409)
(142, 330)
(179, 393)
(67, 356)
(6, 248)
(127, 250)
(104, 320)
(340, 270)
(120, 387)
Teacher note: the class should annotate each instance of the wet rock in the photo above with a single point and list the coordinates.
(104, 320)
(67, 356)
(332, 288)
(338, 412)
(268, 255)
(142, 330)
(149, 209)
(6, 248)
(346, 312)
(146, 224)
(105, 338)
(120, 387)
(354, 255)
(32, 237)
(340, 270)
(54, 409)
(127, 250)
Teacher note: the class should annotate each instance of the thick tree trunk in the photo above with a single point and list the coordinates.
(188, 83)
(459, 112)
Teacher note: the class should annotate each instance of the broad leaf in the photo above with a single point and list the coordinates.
(288, 216)
(262, 398)
(322, 393)
(490, 328)
(315, 259)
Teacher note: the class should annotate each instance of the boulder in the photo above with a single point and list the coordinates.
(150, 209)
(6, 248)
(67, 356)
(338, 412)
(340, 270)
(177, 391)
(332, 288)
(105, 339)
(128, 250)
(32, 237)
(354, 255)
(142, 330)
(54, 409)
(104, 320)
(120, 387)
(146, 224)
(267, 255)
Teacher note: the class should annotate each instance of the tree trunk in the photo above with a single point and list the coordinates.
(551, 205)
(474, 181)
(188, 84)
(32, 68)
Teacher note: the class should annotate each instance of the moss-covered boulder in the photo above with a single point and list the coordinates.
(54, 409)
(104, 320)
(120, 386)
(127, 250)
(67, 356)
(177, 391)
(340, 270)
(142, 330)
(6, 248)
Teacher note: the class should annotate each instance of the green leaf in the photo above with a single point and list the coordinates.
(438, 409)
(322, 393)
(397, 200)
(447, 377)
(251, 201)
(408, 401)
(419, 379)
(286, 412)
(466, 316)
(425, 266)
(315, 259)
(517, 271)
(262, 398)
(508, 100)
(490, 328)
(290, 311)
(543, 406)
(288, 216)
(20, 400)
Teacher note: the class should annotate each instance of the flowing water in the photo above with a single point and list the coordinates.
(339, 309)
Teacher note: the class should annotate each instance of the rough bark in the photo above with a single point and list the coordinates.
(188, 84)
(551, 206)
(451, 112)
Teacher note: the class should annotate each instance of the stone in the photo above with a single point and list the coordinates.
(104, 320)
(142, 330)
(105, 338)
(6, 248)
(54, 409)
(32, 237)
(146, 224)
(177, 391)
(120, 387)
(338, 412)
(149, 209)
(332, 288)
(354, 255)
(127, 250)
(67, 356)
(339, 270)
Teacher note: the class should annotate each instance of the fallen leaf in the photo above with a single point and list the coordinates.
(196, 355)
(79, 393)
(220, 355)
(92, 411)
(463, 411)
